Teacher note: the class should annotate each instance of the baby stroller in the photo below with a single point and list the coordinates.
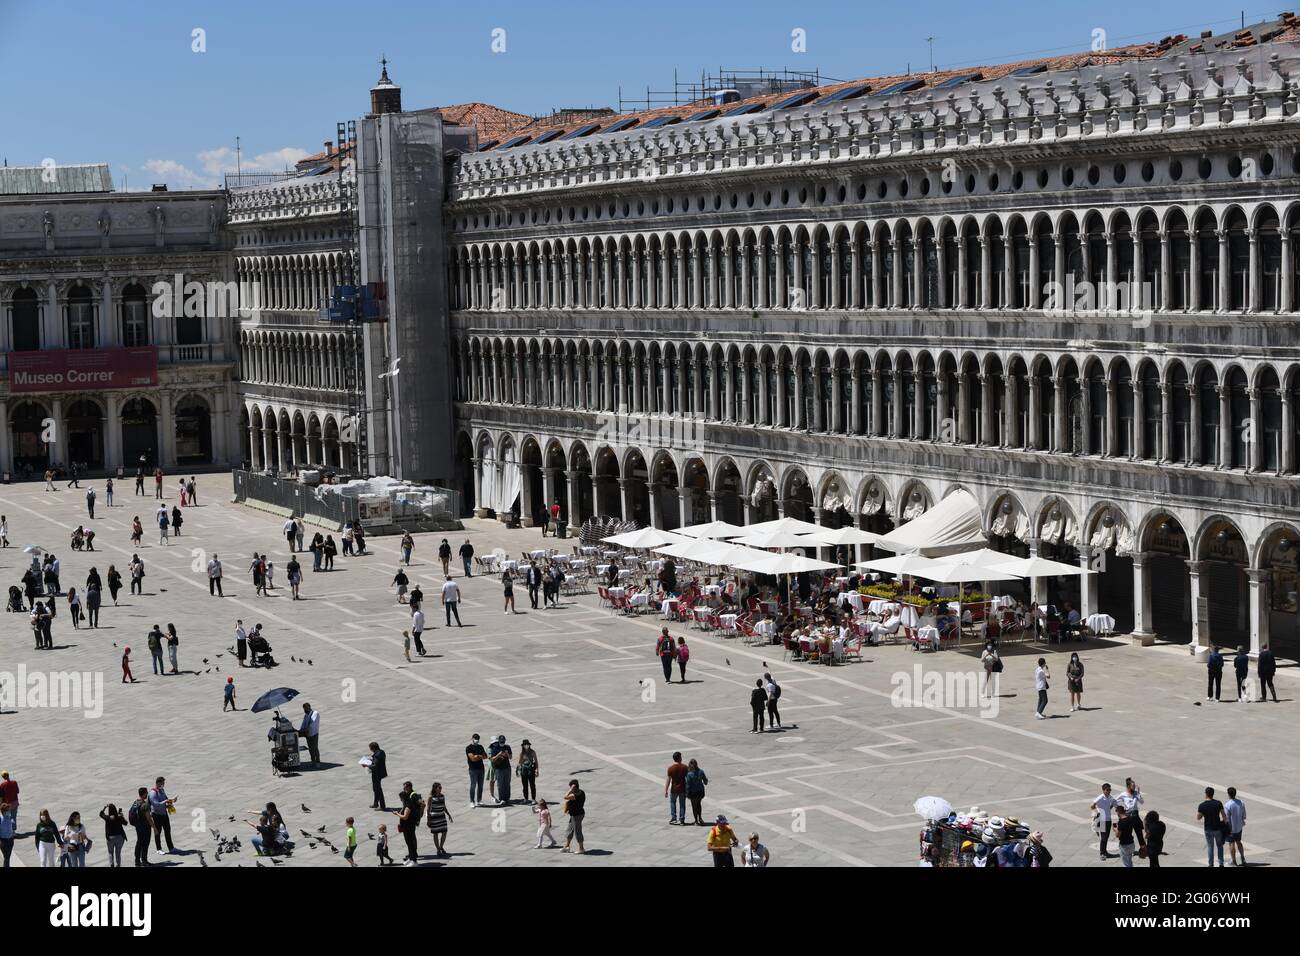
(15, 600)
(260, 648)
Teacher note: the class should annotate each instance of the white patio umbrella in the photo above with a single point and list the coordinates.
(901, 564)
(836, 536)
(645, 538)
(784, 524)
(958, 570)
(1039, 567)
(775, 539)
(713, 529)
(705, 550)
(784, 564)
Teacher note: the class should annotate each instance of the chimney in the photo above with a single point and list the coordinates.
(329, 149)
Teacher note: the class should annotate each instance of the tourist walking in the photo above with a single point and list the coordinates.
(1210, 813)
(330, 551)
(1131, 800)
(1214, 674)
(241, 643)
(675, 790)
(721, 841)
(8, 833)
(228, 696)
(114, 832)
(141, 820)
(544, 823)
(408, 545)
(1235, 813)
(1102, 809)
(1155, 834)
(417, 626)
(683, 657)
(127, 676)
(47, 839)
(400, 581)
(214, 576)
(466, 556)
(444, 556)
(508, 592)
(137, 531)
(136, 568)
(1041, 684)
(1074, 681)
(317, 548)
(991, 662)
(90, 503)
(438, 816)
(526, 769)
(9, 795)
(350, 834)
(575, 808)
(773, 690)
(407, 822)
(162, 525)
(74, 608)
(757, 705)
(451, 600)
(139, 480)
(533, 578)
(475, 755)
(293, 571)
(696, 782)
(378, 771)
(290, 531)
(1266, 667)
(667, 651)
(157, 483)
(114, 579)
(75, 841)
(1241, 668)
(108, 492)
(258, 570)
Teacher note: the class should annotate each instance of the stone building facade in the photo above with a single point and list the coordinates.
(90, 371)
(1072, 293)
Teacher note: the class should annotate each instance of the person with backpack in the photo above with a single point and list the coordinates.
(683, 656)
(444, 555)
(773, 695)
(155, 641)
(258, 570)
(409, 820)
(408, 545)
(758, 705)
(667, 651)
(500, 755)
(139, 817)
(527, 769)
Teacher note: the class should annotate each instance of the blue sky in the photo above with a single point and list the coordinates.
(119, 82)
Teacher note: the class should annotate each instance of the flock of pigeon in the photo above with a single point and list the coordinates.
(227, 846)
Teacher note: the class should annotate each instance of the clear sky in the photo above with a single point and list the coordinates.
(119, 81)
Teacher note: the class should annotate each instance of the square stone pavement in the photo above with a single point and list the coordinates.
(836, 787)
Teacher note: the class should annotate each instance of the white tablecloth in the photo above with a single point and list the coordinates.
(611, 554)
(851, 598)
(654, 566)
(576, 564)
(1005, 600)
(701, 614)
(880, 606)
(728, 620)
(909, 615)
(668, 607)
(617, 592)
(560, 558)
(841, 583)
(510, 564)
(539, 553)
(490, 560)
(930, 634)
(640, 599)
(589, 549)
(713, 589)
(765, 628)
(1101, 623)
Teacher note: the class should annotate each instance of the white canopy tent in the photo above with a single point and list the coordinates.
(782, 564)
(793, 525)
(775, 539)
(951, 526)
(831, 537)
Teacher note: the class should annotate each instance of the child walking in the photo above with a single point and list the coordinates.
(543, 824)
(381, 847)
(229, 703)
(351, 851)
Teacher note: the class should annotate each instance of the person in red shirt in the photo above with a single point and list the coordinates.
(126, 666)
(555, 515)
(9, 795)
(157, 483)
(675, 790)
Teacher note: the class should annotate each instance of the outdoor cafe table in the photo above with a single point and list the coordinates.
(770, 607)
(909, 615)
(617, 592)
(509, 564)
(713, 590)
(539, 553)
(640, 599)
(842, 583)
(491, 559)
(589, 549)
(668, 607)
(851, 598)
(701, 614)
(603, 569)
(654, 566)
(880, 606)
(929, 633)
(728, 621)
(765, 629)
(560, 558)
(610, 554)
(1100, 623)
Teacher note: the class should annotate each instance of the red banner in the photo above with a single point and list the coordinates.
(83, 370)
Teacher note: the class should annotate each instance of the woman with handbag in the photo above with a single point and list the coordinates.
(992, 665)
(1074, 681)
(1155, 831)
(76, 842)
(527, 770)
(696, 780)
(48, 839)
(114, 832)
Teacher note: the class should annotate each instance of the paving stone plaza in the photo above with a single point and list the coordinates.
(835, 787)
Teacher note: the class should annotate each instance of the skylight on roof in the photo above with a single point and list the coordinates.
(954, 81)
(549, 135)
(848, 93)
(743, 109)
(514, 141)
(626, 123)
(486, 146)
(904, 86)
(799, 99)
(1029, 70)
(585, 130)
(659, 121)
(703, 115)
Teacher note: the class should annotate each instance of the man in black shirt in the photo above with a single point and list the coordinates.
(758, 704)
(378, 771)
(1210, 812)
(475, 755)
(467, 555)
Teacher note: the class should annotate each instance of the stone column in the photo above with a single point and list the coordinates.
(963, 265)
(6, 447)
(1259, 581)
(625, 499)
(1225, 426)
(1255, 451)
(1225, 272)
(855, 401)
(837, 401)
(1060, 439)
(1286, 281)
(1087, 582)
(877, 403)
(1142, 622)
(684, 512)
(1038, 586)
(941, 280)
(986, 274)
(1166, 274)
(575, 500)
(1111, 438)
(1200, 641)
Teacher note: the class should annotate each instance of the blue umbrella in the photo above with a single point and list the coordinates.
(272, 699)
